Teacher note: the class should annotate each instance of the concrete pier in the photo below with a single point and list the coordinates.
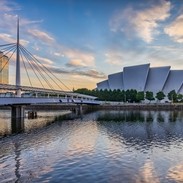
(17, 111)
(79, 109)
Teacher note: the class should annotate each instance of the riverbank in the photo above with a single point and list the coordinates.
(145, 106)
(104, 106)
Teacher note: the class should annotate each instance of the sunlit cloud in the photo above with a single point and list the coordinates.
(175, 29)
(166, 55)
(7, 38)
(79, 58)
(58, 54)
(76, 63)
(114, 58)
(143, 22)
(44, 61)
(41, 35)
(92, 73)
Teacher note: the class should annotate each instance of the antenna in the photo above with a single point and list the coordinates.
(18, 90)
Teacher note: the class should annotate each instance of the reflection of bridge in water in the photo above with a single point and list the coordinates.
(17, 97)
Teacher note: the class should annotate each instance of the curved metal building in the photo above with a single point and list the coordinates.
(144, 78)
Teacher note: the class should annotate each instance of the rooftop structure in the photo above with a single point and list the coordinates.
(144, 78)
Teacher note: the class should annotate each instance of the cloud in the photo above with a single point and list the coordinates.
(76, 63)
(8, 6)
(92, 73)
(44, 61)
(142, 22)
(24, 21)
(175, 29)
(58, 54)
(114, 57)
(89, 73)
(41, 35)
(79, 58)
(7, 38)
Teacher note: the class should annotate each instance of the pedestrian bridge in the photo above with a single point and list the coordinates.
(18, 96)
(51, 100)
(34, 95)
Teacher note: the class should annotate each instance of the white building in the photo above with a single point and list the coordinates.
(144, 78)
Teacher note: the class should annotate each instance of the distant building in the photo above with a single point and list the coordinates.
(144, 78)
(4, 69)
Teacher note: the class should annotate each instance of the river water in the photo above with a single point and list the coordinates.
(102, 146)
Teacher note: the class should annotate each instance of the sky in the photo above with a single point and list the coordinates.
(83, 41)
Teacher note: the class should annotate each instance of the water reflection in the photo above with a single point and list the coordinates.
(95, 149)
(146, 128)
(147, 174)
(17, 161)
(176, 173)
(10, 125)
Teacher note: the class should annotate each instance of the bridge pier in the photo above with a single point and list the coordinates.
(79, 109)
(17, 111)
(17, 118)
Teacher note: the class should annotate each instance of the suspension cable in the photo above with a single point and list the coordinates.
(38, 70)
(7, 49)
(21, 55)
(42, 70)
(8, 60)
(3, 45)
(32, 69)
(40, 73)
(46, 69)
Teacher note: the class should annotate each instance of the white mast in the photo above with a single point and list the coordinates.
(18, 90)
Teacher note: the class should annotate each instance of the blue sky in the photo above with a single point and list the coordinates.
(83, 41)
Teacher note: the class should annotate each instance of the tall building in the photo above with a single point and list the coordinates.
(145, 78)
(4, 69)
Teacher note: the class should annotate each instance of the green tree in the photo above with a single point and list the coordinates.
(140, 96)
(131, 95)
(172, 96)
(179, 97)
(160, 95)
(149, 96)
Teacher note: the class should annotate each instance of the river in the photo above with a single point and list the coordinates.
(102, 146)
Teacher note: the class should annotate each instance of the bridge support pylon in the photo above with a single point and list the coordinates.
(17, 111)
(79, 109)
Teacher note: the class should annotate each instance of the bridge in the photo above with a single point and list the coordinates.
(17, 96)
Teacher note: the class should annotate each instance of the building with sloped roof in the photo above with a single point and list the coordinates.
(145, 78)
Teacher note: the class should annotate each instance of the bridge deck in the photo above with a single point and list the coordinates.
(21, 101)
(8, 87)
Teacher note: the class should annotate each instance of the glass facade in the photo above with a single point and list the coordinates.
(4, 69)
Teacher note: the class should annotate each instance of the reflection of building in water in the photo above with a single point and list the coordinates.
(4, 69)
(144, 127)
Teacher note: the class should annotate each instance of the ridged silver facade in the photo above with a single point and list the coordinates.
(144, 78)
